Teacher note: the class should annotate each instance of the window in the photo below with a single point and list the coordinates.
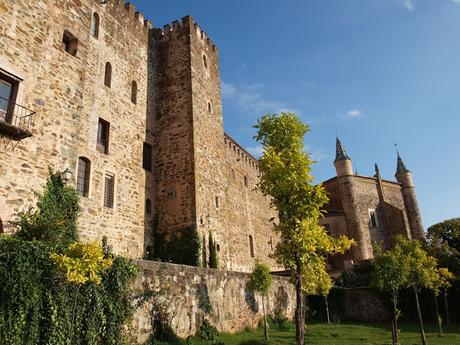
(209, 107)
(95, 25)
(172, 195)
(8, 91)
(148, 206)
(147, 157)
(373, 219)
(270, 243)
(217, 202)
(134, 92)
(103, 131)
(1, 227)
(201, 220)
(108, 75)
(83, 176)
(245, 181)
(205, 61)
(109, 190)
(69, 43)
(218, 247)
(251, 246)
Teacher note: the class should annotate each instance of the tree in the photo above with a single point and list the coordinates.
(260, 283)
(323, 289)
(286, 177)
(55, 218)
(81, 263)
(422, 273)
(441, 282)
(391, 273)
(213, 263)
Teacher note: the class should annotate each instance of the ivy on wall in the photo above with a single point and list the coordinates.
(184, 247)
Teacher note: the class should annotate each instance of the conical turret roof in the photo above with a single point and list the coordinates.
(340, 153)
(400, 165)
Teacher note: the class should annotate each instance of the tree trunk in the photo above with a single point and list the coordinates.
(327, 310)
(447, 307)
(299, 310)
(438, 316)
(265, 319)
(74, 313)
(419, 314)
(394, 323)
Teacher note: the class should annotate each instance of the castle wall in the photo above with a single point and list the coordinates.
(234, 307)
(69, 96)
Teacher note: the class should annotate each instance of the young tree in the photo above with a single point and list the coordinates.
(323, 289)
(286, 177)
(422, 273)
(213, 263)
(81, 263)
(260, 283)
(391, 273)
(441, 281)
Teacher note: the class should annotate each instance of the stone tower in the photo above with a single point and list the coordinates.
(350, 204)
(189, 153)
(404, 176)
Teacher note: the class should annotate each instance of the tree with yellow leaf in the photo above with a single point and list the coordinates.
(81, 263)
(286, 177)
(440, 282)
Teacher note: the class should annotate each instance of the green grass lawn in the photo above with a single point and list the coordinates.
(347, 333)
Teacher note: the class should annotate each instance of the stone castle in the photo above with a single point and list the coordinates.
(135, 113)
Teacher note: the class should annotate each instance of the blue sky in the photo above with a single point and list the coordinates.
(374, 71)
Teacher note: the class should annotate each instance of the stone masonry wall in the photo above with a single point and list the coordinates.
(234, 308)
(68, 94)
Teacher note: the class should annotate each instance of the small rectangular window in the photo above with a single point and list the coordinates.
(217, 202)
(8, 91)
(103, 130)
(109, 190)
(245, 181)
(69, 43)
(147, 157)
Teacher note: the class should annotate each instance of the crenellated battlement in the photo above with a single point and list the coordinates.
(127, 14)
(186, 25)
(241, 155)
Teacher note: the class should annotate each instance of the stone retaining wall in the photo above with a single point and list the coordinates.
(234, 308)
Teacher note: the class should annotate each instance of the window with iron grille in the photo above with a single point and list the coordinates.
(8, 91)
(103, 131)
(147, 157)
(84, 168)
(109, 190)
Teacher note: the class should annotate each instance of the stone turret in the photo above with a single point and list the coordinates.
(342, 162)
(350, 204)
(404, 176)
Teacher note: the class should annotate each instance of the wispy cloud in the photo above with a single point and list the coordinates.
(409, 4)
(316, 153)
(456, 1)
(352, 114)
(256, 151)
(251, 99)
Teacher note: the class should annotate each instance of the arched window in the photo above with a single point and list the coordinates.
(209, 107)
(148, 206)
(95, 25)
(134, 92)
(84, 171)
(108, 75)
(251, 246)
(205, 61)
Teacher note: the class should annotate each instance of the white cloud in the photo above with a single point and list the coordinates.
(456, 1)
(256, 151)
(251, 99)
(409, 4)
(352, 114)
(317, 154)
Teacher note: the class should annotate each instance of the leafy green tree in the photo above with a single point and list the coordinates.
(213, 263)
(391, 274)
(81, 264)
(444, 243)
(286, 177)
(422, 273)
(441, 281)
(55, 218)
(260, 283)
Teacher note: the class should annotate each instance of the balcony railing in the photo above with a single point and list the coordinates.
(16, 121)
